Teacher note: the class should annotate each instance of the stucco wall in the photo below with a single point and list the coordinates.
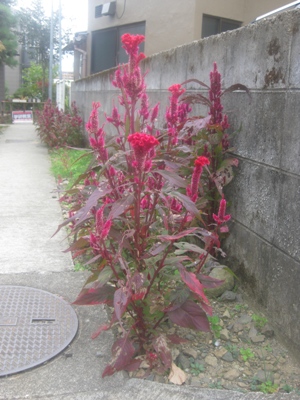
(264, 245)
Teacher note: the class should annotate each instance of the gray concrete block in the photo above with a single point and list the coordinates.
(290, 134)
(254, 194)
(287, 229)
(268, 276)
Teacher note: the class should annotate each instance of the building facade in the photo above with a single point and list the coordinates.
(165, 24)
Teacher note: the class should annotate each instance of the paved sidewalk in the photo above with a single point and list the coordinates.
(29, 215)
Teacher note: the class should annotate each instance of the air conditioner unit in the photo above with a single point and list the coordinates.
(109, 8)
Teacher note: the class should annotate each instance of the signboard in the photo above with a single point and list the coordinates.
(22, 116)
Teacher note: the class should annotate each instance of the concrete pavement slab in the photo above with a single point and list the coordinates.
(29, 212)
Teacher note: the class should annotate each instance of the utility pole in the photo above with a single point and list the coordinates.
(60, 51)
(51, 56)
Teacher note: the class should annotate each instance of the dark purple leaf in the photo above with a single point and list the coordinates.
(92, 201)
(92, 260)
(66, 222)
(175, 339)
(123, 352)
(183, 247)
(178, 236)
(122, 298)
(188, 204)
(176, 260)
(120, 206)
(190, 315)
(109, 370)
(237, 86)
(133, 365)
(160, 345)
(208, 282)
(196, 81)
(102, 328)
(197, 123)
(196, 99)
(157, 249)
(81, 243)
(172, 177)
(137, 280)
(192, 282)
(100, 295)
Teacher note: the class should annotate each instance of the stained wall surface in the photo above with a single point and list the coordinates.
(264, 245)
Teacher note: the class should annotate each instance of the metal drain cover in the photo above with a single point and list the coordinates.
(35, 326)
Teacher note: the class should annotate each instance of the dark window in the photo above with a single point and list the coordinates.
(98, 11)
(213, 25)
(107, 51)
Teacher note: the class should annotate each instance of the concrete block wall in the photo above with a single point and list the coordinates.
(264, 246)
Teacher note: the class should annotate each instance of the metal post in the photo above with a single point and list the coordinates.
(51, 56)
(60, 51)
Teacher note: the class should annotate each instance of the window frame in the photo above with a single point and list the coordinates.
(219, 20)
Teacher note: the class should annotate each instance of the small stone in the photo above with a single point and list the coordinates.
(224, 334)
(140, 374)
(261, 376)
(258, 339)
(220, 352)
(228, 296)
(224, 275)
(144, 365)
(183, 361)
(244, 319)
(150, 378)
(226, 314)
(267, 331)
(195, 381)
(239, 298)
(190, 337)
(237, 327)
(253, 332)
(270, 367)
(227, 357)
(175, 353)
(277, 376)
(99, 354)
(160, 379)
(262, 354)
(247, 372)
(234, 340)
(211, 360)
(242, 385)
(231, 374)
(190, 353)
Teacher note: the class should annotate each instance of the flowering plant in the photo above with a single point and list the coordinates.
(145, 203)
(57, 128)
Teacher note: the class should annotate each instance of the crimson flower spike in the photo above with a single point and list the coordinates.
(221, 218)
(141, 144)
(199, 163)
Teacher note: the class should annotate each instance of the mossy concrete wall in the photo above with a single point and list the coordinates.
(264, 245)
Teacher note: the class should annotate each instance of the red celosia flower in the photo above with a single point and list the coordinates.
(176, 113)
(131, 42)
(141, 144)
(201, 161)
(221, 218)
(192, 190)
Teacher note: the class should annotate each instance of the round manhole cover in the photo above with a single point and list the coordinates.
(34, 327)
